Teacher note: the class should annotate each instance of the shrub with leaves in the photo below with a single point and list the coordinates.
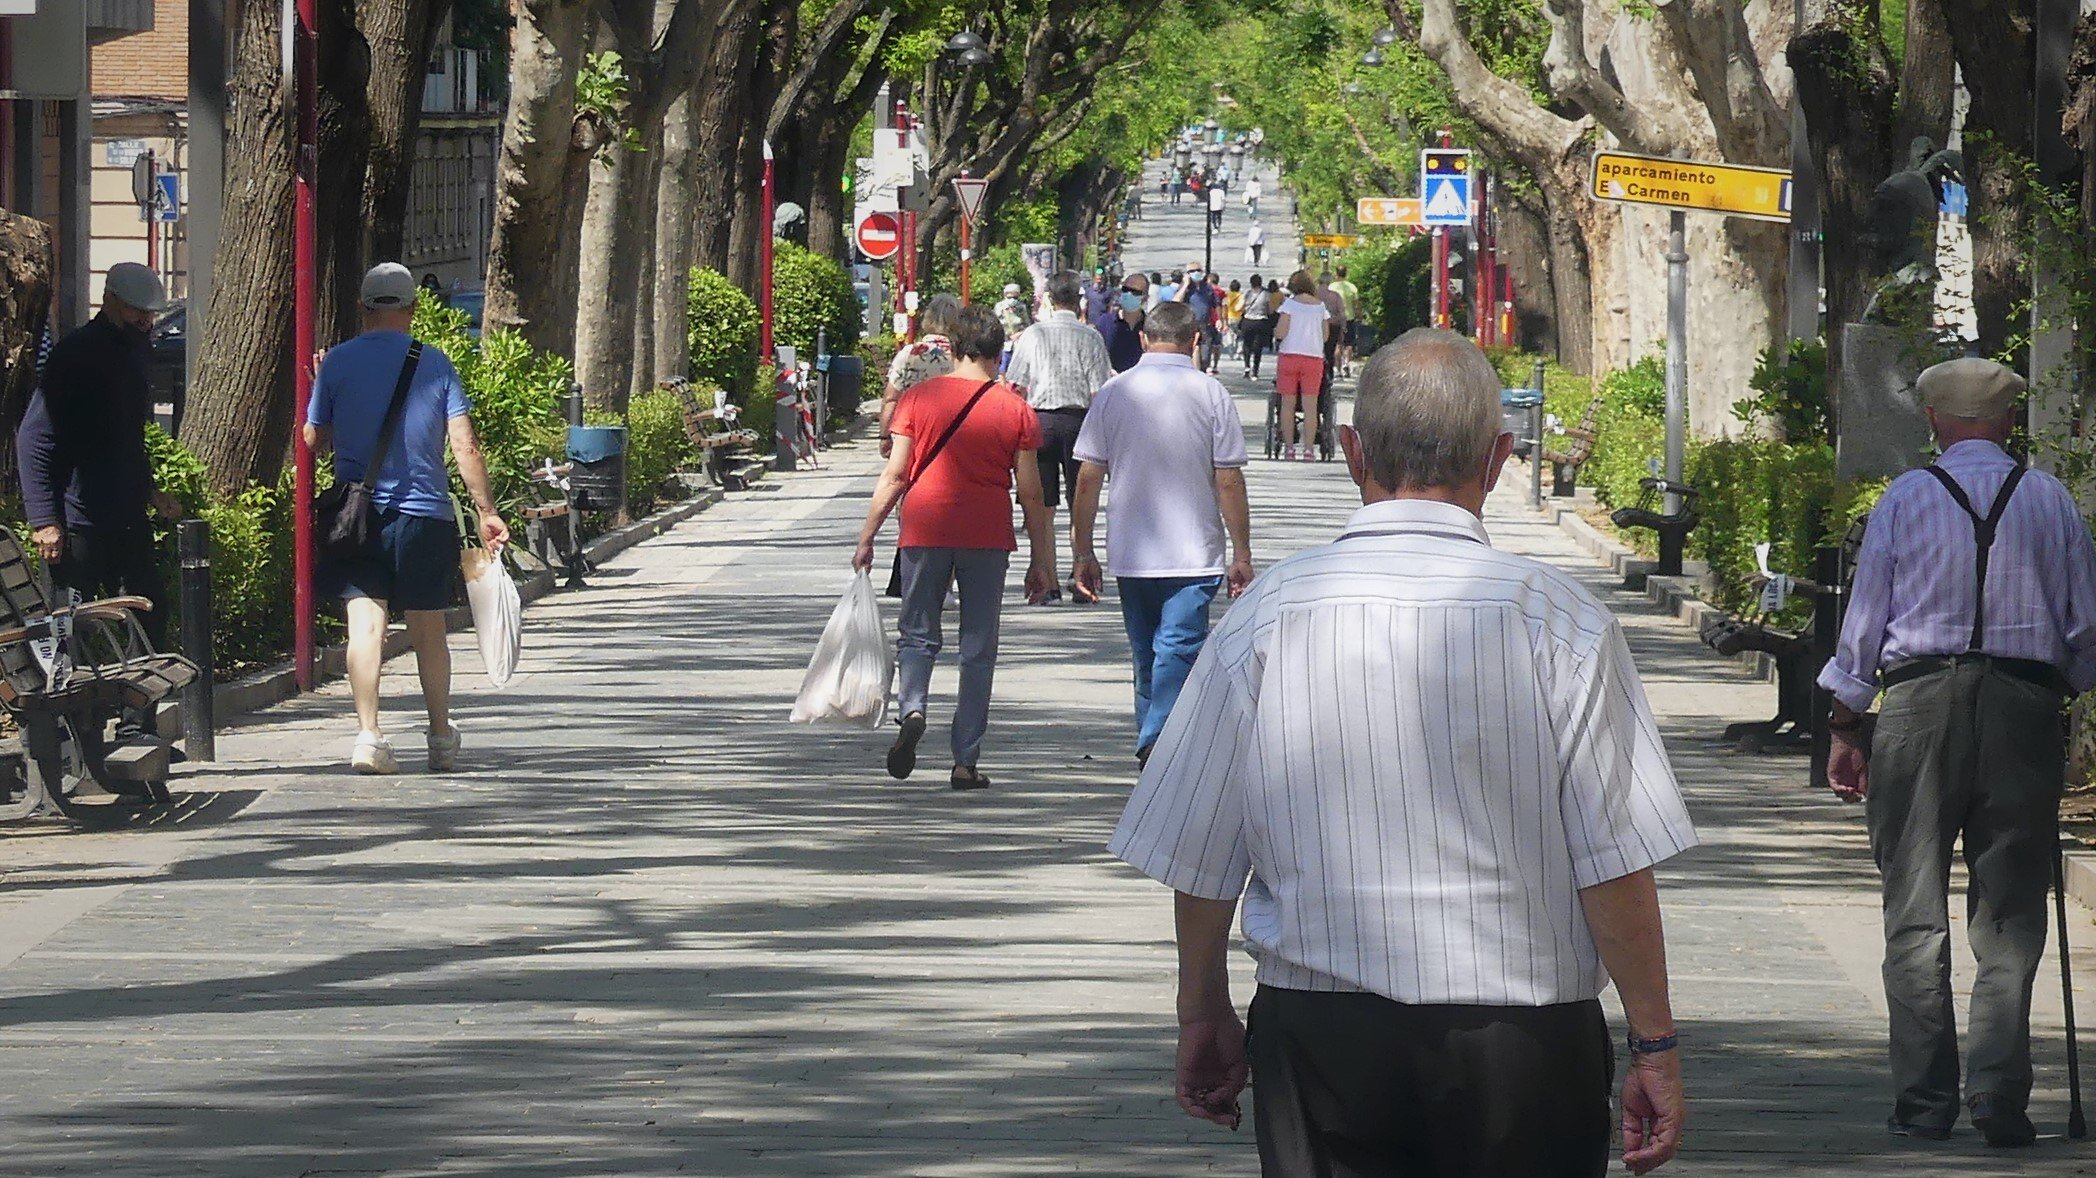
(656, 448)
(724, 326)
(516, 394)
(811, 292)
(1790, 391)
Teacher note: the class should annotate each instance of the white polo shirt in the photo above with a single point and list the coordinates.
(1410, 752)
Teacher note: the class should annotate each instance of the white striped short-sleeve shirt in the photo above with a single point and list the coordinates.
(1409, 752)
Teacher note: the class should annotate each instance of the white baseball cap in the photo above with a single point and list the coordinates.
(1011, 288)
(136, 287)
(388, 287)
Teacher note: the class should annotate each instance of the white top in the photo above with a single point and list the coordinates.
(1256, 235)
(1060, 362)
(1253, 190)
(1417, 750)
(1161, 429)
(1306, 327)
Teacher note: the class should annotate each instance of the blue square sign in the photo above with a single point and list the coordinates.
(1444, 186)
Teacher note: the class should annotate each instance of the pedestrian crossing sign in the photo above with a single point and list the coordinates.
(1444, 186)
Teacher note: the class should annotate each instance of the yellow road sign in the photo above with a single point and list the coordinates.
(1389, 210)
(1328, 241)
(1760, 193)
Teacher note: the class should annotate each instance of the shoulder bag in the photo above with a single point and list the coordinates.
(894, 589)
(342, 515)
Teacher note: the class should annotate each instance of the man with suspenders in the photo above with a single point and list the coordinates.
(1974, 612)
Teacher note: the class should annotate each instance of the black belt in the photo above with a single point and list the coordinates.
(2031, 671)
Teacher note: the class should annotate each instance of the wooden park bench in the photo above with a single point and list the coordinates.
(712, 429)
(1565, 462)
(67, 674)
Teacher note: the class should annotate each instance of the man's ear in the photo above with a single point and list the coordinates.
(1502, 449)
(1356, 461)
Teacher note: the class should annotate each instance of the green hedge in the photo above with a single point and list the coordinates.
(809, 292)
(724, 328)
(1757, 491)
(656, 448)
(517, 397)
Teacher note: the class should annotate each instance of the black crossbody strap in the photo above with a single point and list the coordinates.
(394, 409)
(1984, 530)
(952, 427)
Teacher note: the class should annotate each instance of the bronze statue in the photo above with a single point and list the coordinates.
(1900, 234)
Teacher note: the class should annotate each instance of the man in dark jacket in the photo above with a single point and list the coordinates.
(1123, 324)
(87, 484)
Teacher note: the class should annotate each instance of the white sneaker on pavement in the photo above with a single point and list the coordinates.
(1288, 455)
(373, 754)
(444, 751)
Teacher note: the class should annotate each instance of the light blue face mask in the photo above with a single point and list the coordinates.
(1131, 301)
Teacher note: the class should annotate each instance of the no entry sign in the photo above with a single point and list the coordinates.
(879, 236)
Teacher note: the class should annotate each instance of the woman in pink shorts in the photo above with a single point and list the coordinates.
(1300, 371)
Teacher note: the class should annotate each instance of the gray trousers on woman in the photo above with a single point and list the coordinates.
(1968, 751)
(926, 574)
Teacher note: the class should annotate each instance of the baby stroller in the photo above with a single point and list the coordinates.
(1327, 425)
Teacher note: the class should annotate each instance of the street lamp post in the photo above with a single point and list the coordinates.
(305, 47)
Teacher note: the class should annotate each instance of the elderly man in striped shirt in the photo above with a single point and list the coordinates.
(1430, 770)
(1974, 611)
(1058, 366)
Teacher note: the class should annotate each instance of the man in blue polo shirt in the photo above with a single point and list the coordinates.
(414, 556)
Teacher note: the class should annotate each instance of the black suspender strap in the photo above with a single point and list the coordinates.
(1984, 530)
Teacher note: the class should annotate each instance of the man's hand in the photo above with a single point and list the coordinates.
(1091, 579)
(50, 543)
(887, 445)
(1653, 1111)
(1212, 1068)
(862, 558)
(1239, 578)
(1040, 582)
(166, 506)
(493, 532)
(1848, 767)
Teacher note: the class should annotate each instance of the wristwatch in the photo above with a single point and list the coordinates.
(1664, 1043)
(1854, 723)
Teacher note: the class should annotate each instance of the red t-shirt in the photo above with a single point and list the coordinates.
(964, 498)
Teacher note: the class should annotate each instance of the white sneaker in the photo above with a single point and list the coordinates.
(373, 754)
(1288, 455)
(444, 751)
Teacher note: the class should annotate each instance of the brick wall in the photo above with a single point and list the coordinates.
(147, 65)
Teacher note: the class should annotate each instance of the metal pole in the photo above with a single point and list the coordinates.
(1535, 451)
(764, 259)
(152, 220)
(1826, 634)
(1803, 292)
(206, 167)
(1440, 308)
(1677, 351)
(199, 720)
(967, 256)
(305, 46)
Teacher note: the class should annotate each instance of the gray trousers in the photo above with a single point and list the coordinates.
(1972, 751)
(926, 574)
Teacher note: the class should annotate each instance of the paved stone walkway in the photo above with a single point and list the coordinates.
(651, 929)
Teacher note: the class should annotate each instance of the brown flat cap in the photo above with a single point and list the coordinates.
(1970, 388)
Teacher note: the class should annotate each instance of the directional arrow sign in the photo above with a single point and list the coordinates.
(1388, 210)
(1760, 193)
(969, 191)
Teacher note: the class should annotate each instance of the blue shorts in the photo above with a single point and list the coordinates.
(413, 564)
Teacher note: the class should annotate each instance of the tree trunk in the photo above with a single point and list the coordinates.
(1928, 78)
(1997, 56)
(612, 241)
(724, 110)
(27, 269)
(676, 242)
(239, 417)
(345, 142)
(532, 216)
(400, 35)
(1524, 249)
(827, 212)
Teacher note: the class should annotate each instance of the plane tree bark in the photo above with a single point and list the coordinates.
(531, 247)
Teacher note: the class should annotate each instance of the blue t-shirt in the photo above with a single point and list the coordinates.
(355, 386)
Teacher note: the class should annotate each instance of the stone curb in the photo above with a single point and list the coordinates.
(253, 692)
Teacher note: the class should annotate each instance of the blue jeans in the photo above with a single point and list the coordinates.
(1167, 620)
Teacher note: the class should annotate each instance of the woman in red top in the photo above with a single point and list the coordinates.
(958, 528)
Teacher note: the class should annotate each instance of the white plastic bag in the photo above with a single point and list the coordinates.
(847, 680)
(498, 613)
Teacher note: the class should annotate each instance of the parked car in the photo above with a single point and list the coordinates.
(167, 365)
(472, 301)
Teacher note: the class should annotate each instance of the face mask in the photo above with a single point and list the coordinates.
(1131, 301)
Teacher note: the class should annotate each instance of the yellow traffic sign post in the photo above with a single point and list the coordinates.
(1329, 241)
(1682, 187)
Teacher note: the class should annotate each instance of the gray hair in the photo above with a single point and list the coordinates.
(940, 315)
(1065, 289)
(1427, 411)
(1170, 323)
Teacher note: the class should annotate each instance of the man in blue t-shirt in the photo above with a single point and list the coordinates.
(414, 556)
(1201, 296)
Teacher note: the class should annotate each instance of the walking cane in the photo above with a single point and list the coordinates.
(2077, 1128)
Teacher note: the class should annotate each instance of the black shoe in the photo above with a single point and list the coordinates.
(1921, 1132)
(1142, 756)
(2004, 1127)
(966, 777)
(902, 757)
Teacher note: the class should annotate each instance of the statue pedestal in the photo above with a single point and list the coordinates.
(1883, 431)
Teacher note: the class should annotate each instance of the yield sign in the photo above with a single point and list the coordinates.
(879, 236)
(970, 191)
(1447, 201)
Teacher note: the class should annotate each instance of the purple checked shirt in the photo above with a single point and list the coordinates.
(1914, 594)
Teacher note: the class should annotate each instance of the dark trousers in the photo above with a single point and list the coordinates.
(1358, 1086)
(1058, 454)
(112, 562)
(1976, 752)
